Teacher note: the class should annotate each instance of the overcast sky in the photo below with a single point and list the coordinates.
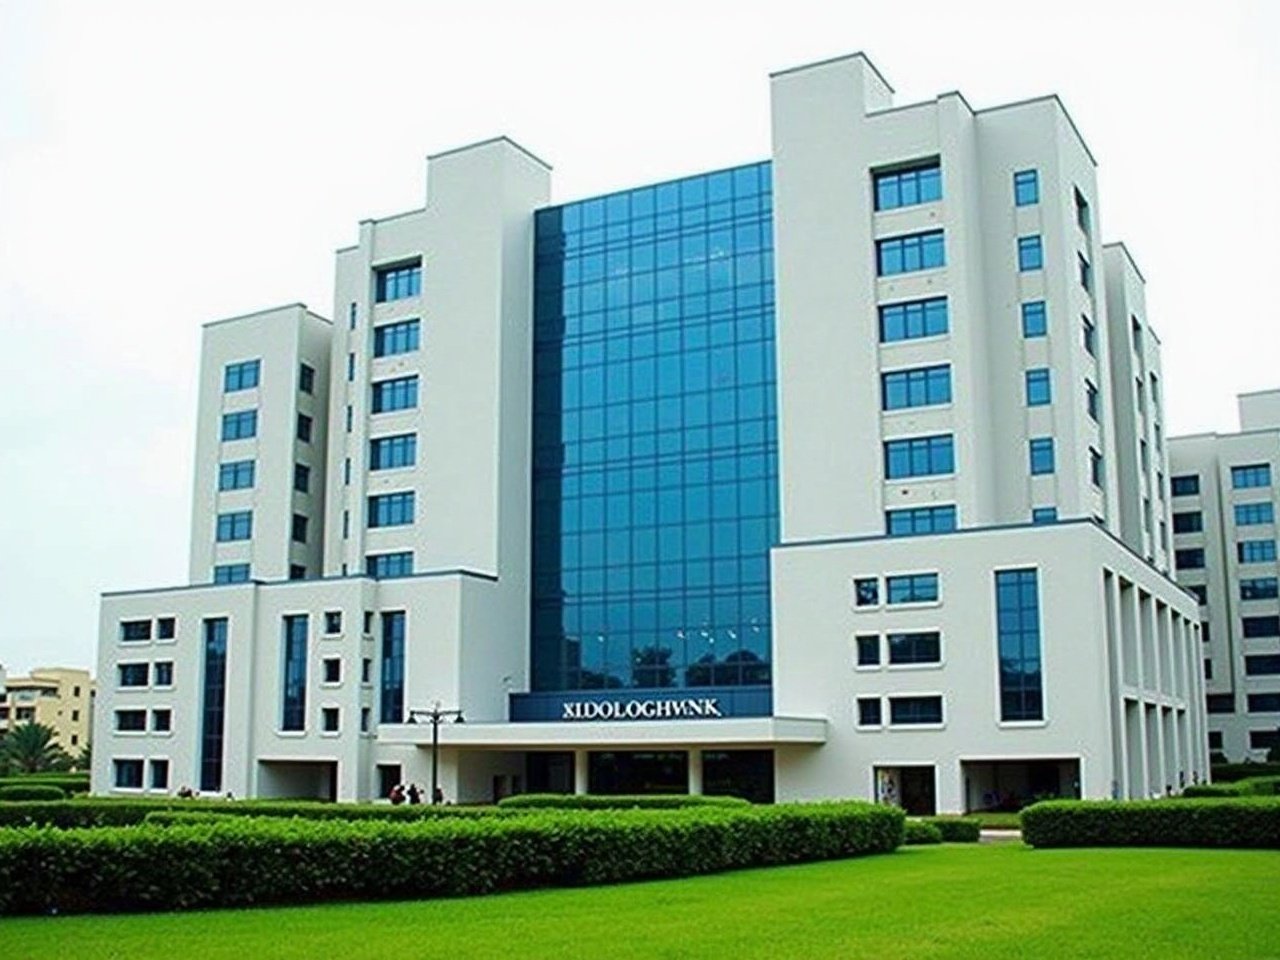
(162, 167)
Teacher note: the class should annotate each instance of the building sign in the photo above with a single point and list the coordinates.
(654, 704)
(694, 708)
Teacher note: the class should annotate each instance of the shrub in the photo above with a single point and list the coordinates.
(921, 832)
(1230, 822)
(595, 801)
(1228, 772)
(32, 791)
(244, 861)
(957, 829)
(72, 783)
(1250, 787)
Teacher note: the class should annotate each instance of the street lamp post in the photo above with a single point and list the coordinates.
(435, 716)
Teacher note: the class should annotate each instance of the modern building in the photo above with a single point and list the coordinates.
(56, 697)
(823, 476)
(1226, 494)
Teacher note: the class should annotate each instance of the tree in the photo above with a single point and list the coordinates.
(30, 749)
(84, 759)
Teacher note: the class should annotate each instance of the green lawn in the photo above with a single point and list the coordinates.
(987, 901)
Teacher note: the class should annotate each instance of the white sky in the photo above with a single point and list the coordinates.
(166, 164)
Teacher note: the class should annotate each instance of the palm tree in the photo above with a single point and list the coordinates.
(30, 749)
(84, 759)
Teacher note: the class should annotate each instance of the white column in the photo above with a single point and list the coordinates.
(695, 772)
(581, 769)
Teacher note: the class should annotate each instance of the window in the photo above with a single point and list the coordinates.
(385, 566)
(135, 630)
(1030, 253)
(1035, 320)
(366, 670)
(213, 704)
(914, 711)
(392, 338)
(163, 673)
(1215, 739)
(161, 721)
(297, 571)
(908, 186)
(1256, 551)
(350, 417)
(391, 699)
(1090, 340)
(298, 529)
(1264, 702)
(304, 428)
(1259, 588)
(1220, 703)
(294, 693)
(912, 588)
(166, 628)
(132, 674)
(1082, 211)
(869, 650)
(346, 471)
(1135, 334)
(1262, 664)
(1186, 485)
(922, 387)
(351, 317)
(1264, 739)
(346, 524)
(398, 394)
(866, 592)
(1259, 628)
(1208, 669)
(301, 478)
(1026, 188)
(915, 648)
(159, 774)
(1190, 558)
(332, 667)
(231, 573)
(1252, 514)
(919, 457)
(1091, 401)
(351, 367)
(1086, 273)
(332, 622)
(1191, 521)
(235, 526)
(240, 376)
(306, 378)
(387, 453)
(391, 509)
(869, 711)
(1018, 645)
(1204, 632)
(914, 521)
(235, 476)
(913, 320)
(1096, 475)
(1041, 455)
(398, 282)
(365, 718)
(127, 774)
(240, 426)
(1039, 390)
(917, 251)
(1252, 475)
(131, 721)
(368, 624)
(1200, 592)
(329, 719)
(1042, 515)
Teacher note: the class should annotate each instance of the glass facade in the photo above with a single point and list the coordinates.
(293, 712)
(213, 703)
(391, 701)
(1018, 640)
(655, 436)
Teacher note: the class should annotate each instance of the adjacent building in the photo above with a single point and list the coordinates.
(837, 474)
(1226, 494)
(56, 697)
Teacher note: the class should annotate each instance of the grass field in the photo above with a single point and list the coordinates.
(963, 901)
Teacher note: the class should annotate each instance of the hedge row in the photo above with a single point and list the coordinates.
(1249, 787)
(594, 801)
(957, 829)
(920, 832)
(31, 791)
(68, 782)
(243, 862)
(1234, 822)
(1227, 772)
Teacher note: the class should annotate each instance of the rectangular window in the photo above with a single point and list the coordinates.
(1260, 628)
(240, 376)
(1187, 485)
(301, 478)
(1215, 739)
(1041, 515)
(304, 428)
(1039, 390)
(914, 320)
(914, 711)
(866, 592)
(387, 453)
(398, 282)
(912, 588)
(213, 704)
(398, 394)
(908, 254)
(1096, 475)
(869, 650)
(1135, 332)
(1018, 645)
(1030, 253)
(1090, 337)
(1259, 588)
(868, 711)
(1200, 592)
(1251, 475)
(1086, 273)
(351, 367)
(1192, 521)
(1091, 400)
(1035, 319)
(235, 526)
(131, 721)
(166, 628)
(161, 721)
(1041, 455)
(391, 697)
(306, 378)
(1252, 514)
(1190, 558)
(127, 774)
(329, 719)
(908, 186)
(297, 571)
(387, 566)
(298, 529)
(1256, 551)
(921, 387)
(391, 509)
(135, 630)
(293, 714)
(351, 317)
(913, 648)
(235, 476)
(914, 521)
(1026, 188)
(159, 774)
(1262, 664)
(332, 622)
(393, 338)
(350, 416)
(163, 673)
(1264, 739)
(132, 674)
(332, 670)
(1264, 702)
(1220, 703)
(919, 457)
(240, 426)
(231, 573)
(1082, 211)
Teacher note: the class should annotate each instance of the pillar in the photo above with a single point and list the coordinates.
(695, 772)
(581, 771)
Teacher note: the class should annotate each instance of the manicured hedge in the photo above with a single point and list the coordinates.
(1249, 787)
(1233, 822)
(596, 801)
(1227, 772)
(921, 832)
(70, 782)
(957, 829)
(243, 861)
(32, 791)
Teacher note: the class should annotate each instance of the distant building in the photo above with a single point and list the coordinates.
(57, 697)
